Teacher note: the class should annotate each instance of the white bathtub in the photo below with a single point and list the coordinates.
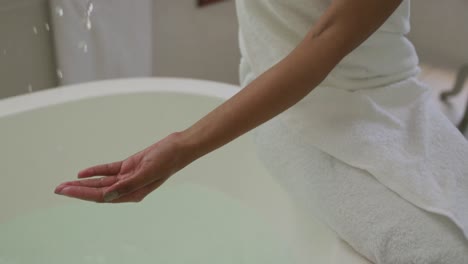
(223, 208)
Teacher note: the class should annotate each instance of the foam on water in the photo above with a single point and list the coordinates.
(183, 224)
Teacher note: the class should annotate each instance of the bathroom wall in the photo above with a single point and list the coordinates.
(196, 42)
(26, 51)
(199, 42)
(202, 43)
(440, 31)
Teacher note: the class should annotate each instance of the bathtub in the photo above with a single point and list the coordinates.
(222, 208)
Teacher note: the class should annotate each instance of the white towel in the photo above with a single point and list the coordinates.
(102, 39)
(396, 133)
(375, 221)
(371, 114)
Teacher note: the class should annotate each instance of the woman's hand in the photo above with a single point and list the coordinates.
(132, 179)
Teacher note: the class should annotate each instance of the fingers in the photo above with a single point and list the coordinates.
(101, 170)
(92, 183)
(97, 190)
(84, 193)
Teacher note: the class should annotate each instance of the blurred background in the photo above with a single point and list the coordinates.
(49, 43)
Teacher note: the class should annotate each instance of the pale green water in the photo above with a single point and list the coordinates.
(184, 224)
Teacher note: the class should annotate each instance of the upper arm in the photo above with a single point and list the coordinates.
(348, 23)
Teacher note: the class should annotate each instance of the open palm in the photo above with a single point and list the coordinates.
(129, 180)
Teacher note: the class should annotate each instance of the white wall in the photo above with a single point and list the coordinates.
(440, 31)
(196, 42)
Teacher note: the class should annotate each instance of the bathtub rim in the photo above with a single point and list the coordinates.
(76, 92)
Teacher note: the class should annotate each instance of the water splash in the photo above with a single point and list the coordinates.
(47, 26)
(59, 11)
(59, 74)
(30, 88)
(35, 30)
(89, 12)
(84, 46)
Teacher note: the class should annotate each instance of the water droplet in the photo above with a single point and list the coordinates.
(59, 11)
(82, 45)
(89, 11)
(35, 30)
(89, 25)
(47, 26)
(59, 74)
(30, 88)
(4, 52)
(90, 8)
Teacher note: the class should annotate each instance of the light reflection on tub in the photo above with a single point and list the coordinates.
(223, 208)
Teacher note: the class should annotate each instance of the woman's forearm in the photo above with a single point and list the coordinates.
(271, 93)
(343, 27)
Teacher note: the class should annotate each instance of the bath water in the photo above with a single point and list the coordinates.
(178, 224)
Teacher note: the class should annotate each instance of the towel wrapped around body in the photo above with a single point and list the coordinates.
(370, 113)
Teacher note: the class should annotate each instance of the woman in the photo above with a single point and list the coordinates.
(333, 83)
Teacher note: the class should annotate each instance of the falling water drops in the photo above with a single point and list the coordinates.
(59, 74)
(89, 25)
(47, 26)
(90, 8)
(35, 30)
(59, 11)
(4, 52)
(84, 46)
(89, 12)
(30, 88)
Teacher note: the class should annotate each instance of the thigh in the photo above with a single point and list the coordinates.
(374, 220)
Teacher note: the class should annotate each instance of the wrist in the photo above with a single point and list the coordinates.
(186, 147)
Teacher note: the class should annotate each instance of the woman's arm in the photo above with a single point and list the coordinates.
(341, 29)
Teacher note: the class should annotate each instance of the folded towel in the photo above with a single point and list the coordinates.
(375, 221)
